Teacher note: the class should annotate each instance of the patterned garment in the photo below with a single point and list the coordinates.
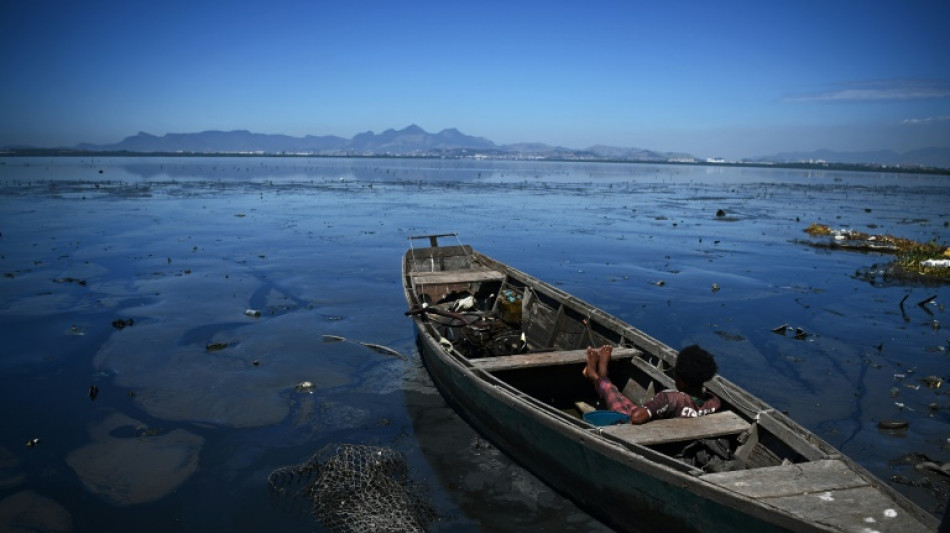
(666, 404)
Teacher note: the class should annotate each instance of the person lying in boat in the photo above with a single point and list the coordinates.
(694, 367)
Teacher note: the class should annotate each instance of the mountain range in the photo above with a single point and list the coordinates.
(415, 141)
(410, 141)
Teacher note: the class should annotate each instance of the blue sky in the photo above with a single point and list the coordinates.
(713, 78)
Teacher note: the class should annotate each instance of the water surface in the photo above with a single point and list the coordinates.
(182, 438)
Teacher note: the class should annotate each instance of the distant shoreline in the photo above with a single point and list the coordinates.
(853, 167)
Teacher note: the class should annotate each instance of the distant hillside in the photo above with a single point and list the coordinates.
(410, 141)
(220, 141)
(926, 157)
(416, 142)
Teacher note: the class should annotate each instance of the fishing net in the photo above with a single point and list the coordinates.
(355, 488)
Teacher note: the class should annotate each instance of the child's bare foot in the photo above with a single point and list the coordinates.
(590, 371)
(603, 359)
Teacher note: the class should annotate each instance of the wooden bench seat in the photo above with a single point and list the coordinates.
(528, 360)
(456, 276)
(679, 429)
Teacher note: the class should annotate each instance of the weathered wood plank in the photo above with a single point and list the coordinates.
(855, 509)
(794, 479)
(456, 276)
(679, 429)
(529, 360)
(584, 407)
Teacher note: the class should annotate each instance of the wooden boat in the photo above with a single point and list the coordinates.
(506, 351)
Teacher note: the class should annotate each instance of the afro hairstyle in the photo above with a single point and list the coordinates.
(695, 366)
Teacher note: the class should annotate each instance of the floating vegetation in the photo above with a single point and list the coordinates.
(216, 346)
(120, 323)
(70, 279)
(914, 261)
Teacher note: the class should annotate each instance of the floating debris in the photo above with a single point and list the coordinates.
(252, 312)
(383, 350)
(893, 424)
(77, 281)
(122, 323)
(720, 212)
(144, 432)
(800, 334)
(658, 283)
(32, 443)
(93, 392)
(915, 260)
(352, 487)
(931, 382)
(216, 346)
(935, 263)
(781, 329)
(378, 348)
(304, 387)
(933, 466)
(715, 287)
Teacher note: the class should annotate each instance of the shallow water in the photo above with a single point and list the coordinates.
(182, 438)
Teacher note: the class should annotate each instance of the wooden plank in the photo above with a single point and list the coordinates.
(854, 509)
(785, 480)
(679, 429)
(584, 407)
(529, 360)
(456, 276)
(636, 393)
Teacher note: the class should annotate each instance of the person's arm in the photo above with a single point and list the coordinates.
(639, 415)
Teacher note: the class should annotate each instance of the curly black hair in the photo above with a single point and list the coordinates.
(695, 366)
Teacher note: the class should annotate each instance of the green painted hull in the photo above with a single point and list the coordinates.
(623, 491)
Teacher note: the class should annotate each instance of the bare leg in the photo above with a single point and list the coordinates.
(603, 359)
(593, 360)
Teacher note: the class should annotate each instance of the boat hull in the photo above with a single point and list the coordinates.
(618, 477)
(602, 479)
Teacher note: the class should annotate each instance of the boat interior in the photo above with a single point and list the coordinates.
(530, 339)
(509, 329)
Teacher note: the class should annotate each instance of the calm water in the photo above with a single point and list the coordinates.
(182, 438)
